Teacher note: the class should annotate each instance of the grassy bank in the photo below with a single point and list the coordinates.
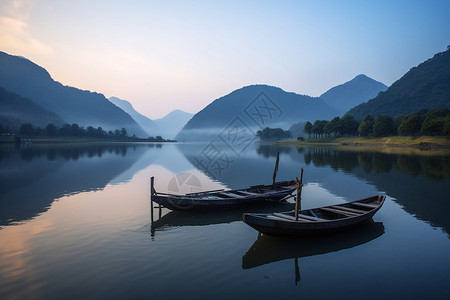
(393, 141)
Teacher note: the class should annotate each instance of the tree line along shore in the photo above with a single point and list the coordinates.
(427, 128)
(69, 133)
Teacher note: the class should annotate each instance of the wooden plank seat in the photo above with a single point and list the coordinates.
(311, 217)
(300, 217)
(371, 206)
(291, 218)
(285, 219)
(345, 213)
(358, 211)
(281, 215)
(231, 195)
(249, 193)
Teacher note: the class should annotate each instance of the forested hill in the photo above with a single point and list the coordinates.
(25, 78)
(354, 92)
(16, 110)
(426, 86)
(255, 107)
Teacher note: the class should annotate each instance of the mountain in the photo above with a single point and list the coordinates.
(252, 108)
(16, 110)
(356, 91)
(85, 108)
(167, 127)
(426, 86)
(172, 123)
(148, 125)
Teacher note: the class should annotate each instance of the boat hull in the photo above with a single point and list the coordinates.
(212, 201)
(278, 227)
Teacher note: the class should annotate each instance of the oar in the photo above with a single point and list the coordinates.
(298, 205)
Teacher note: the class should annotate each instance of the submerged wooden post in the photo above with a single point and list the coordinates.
(152, 181)
(297, 271)
(298, 204)
(276, 168)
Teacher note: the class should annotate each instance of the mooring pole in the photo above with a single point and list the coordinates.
(276, 168)
(297, 271)
(152, 181)
(298, 204)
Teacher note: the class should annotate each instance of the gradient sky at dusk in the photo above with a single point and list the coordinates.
(165, 55)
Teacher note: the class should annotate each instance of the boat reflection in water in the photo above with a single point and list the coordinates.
(267, 249)
(180, 218)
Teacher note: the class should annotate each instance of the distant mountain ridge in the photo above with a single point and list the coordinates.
(352, 93)
(16, 110)
(426, 86)
(171, 124)
(254, 107)
(25, 78)
(147, 124)
(166, 127)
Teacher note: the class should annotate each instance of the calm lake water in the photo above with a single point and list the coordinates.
(75, 223)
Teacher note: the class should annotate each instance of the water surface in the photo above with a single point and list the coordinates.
(75, 222)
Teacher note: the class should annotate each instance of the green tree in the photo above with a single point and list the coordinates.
(75, 130)
(90, 131)
(38, 131)
(411, 125)
(123, 132)
(100, 132)
(383, 126)
(333, 127)
(26, 129)
(446, 130)
(348, 125)
(308, 128)
(65, 130)
(273, 134)
(319, 127)
(434, 121)
(365, 128)
(51, 129)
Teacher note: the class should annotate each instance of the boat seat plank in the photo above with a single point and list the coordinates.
(345, 213)
(358, 211)
(231, 195)
(365, 205)
(249, 193)
(281, 215)
(311, 217)
(272, 217)
(292, 218)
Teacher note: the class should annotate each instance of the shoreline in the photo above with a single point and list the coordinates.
(64, 140)
(422, 142)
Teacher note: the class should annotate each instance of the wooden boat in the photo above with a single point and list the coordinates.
(212, 200)
(316, 220)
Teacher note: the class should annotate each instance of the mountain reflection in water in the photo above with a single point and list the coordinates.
(33, 177)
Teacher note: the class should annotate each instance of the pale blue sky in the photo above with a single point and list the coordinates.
(165, 55)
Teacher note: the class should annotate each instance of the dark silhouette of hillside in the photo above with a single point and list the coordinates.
(146, 123)
(85, 108)
(171, 124)
(352, 93)
(16, 110)
(257, 107)
(426, 86)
